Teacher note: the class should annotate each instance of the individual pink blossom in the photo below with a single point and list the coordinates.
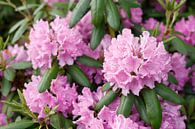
(62, 96)
(180, 71)
(152, 24)
(187, 28)
(136, 17)
(69, 40)
(3, 119)
(42, 45)
(132, 62)
(64, 93)
(172, 118)
(85, 27)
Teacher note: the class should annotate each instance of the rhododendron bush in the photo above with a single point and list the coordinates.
(97, 64)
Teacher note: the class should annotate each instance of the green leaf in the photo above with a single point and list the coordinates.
(9, 74)
(24, 7)
(153, 107)
(6, 86)
(106, 100)
(97, 11)
(57, 121)
(128, 4)
(141, 108)
(126, 105)
(106, 87)
(23, 124)
(88, 61)
(168, 94)
(1, 44)
(17, 25)
(79, 11)
(172, 79)
(47, 78)
(20, 31)
(38, 16)
(14, 105)
(21, 96)
(39, 8)
(78, 76)
(97, 35)
(113, 17)
(191, 106)
(179, 45)
(22, 65)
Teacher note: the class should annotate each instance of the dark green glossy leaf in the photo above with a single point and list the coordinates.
(106, 100)
(153, 107)
(106, 87)
(88, 61)
(79, 11)
(47, 78)
(172, 79)
(126, 104)
(141, 108)
(168, 94)
(97, 11)
(78, 76)
(97, 35)
(113, 17)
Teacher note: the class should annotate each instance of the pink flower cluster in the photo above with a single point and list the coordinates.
(152, 24)
(136, 17)
(106, 119)
(14, 54)
(179, 70)
(133, 62)
(61, 94)
(187, 29)
(172, 118)
(54, 40)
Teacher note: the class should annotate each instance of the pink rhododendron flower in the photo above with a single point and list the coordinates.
(62, 96)
(69, 40)
(85, 27)
(42, 45)
(152, 24)
(107, 117)
(136, 17)
(187, 28)
(133, 62)
(180, 71)
(56, 39)
(3, 120)
(172, 118)
(18, 53)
